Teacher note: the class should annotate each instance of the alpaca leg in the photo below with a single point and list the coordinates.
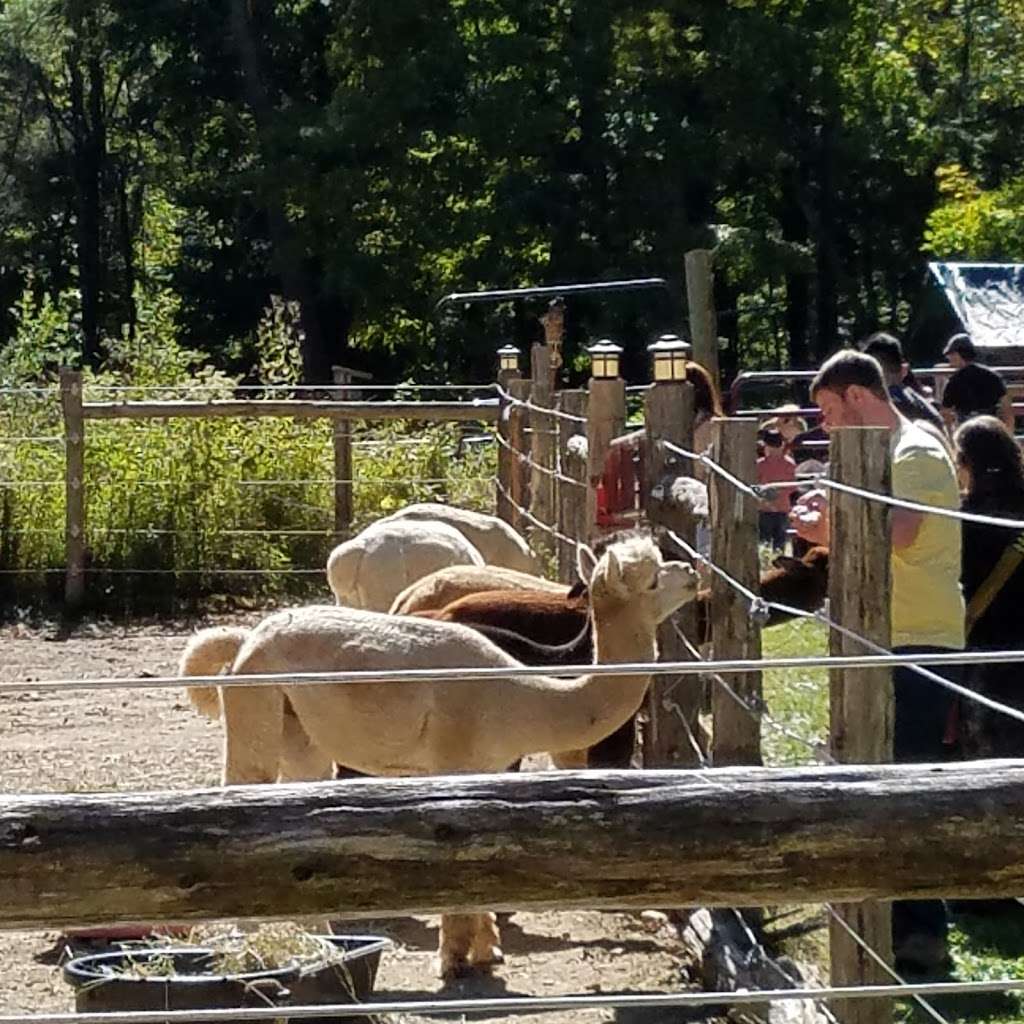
(301, 760)
(455, 939)
(567, 759)
(485, 950)
(468, 942)
(252, 734)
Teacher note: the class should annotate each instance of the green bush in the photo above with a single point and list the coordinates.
(185, 509)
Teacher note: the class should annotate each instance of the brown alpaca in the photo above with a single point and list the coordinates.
(798, 582)
(544, 617)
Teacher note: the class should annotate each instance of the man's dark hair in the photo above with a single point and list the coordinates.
(846, 369)
(886, 349)
(963, 346)
(772, 439)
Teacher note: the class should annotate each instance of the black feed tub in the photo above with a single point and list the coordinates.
(101, 987)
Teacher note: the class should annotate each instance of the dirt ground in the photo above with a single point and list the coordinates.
(135, 740)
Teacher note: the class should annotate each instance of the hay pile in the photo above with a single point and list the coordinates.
(273, 946)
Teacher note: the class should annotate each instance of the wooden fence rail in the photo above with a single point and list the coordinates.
(432, 412)
(76, 412)
(558, 840)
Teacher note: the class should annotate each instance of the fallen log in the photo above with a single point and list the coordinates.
(559, 840)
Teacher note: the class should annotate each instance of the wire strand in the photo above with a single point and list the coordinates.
(524, 1004)
(443, 675)
(528, 461)
(541, 409)
(533, 519)
(880, 960)
(711, 464)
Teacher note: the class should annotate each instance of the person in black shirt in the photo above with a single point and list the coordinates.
(889, 353)
(974, 390)
(992, 471)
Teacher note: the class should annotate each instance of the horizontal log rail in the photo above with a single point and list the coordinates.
(485, 410)
(616, 840)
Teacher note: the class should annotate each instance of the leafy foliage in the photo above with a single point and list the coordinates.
(974, 224)
(362, 159)
(183, 509)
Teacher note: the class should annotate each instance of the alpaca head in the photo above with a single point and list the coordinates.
(631, 572)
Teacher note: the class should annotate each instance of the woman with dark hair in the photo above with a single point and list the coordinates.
(991, 471)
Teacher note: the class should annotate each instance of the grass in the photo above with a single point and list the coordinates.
(199, 510)
(983, 947)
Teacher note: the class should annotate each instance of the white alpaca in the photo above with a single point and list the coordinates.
(441, 588)
(439, 726)
(491, 536)
(374, 567)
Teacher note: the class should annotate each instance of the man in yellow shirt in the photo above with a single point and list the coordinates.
(927, 610)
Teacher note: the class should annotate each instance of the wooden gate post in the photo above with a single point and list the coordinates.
(700, 297)
(572, 496)
(861, 700)
(74, 487)
(606, 420)
(342, 440)
(736, 735)
(673, 702)
(506, 459)
(542, 448)
(519, 442)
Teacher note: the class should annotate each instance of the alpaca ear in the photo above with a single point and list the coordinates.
(586, 563)
(613, 576)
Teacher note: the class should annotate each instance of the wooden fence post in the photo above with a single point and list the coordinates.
(673, 702)
(861, 704)
(519, 441)
(606, 420)
(542, 448)
(572, 497)
(74, 487)
(507, 461)
(700, 297)
(736, 736)
(342, 439)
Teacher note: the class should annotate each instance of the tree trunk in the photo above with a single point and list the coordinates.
(126, 239)
(793, 221)
(826, 257)
(88, 147)
(288, 255)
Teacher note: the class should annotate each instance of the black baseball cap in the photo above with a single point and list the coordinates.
(962, 345)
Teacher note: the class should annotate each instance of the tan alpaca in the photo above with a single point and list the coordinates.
(492, 537)
(370, 570)
(300, 761)
(439, 589)
(449, 725)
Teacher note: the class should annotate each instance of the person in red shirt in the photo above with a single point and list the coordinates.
(775, 466)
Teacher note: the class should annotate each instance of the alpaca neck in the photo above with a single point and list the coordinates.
(582, 711)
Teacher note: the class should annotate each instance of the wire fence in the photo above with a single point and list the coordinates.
(234, 506)
(759, 609)
(530, 1004)
(542, 410)
(715, 670)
